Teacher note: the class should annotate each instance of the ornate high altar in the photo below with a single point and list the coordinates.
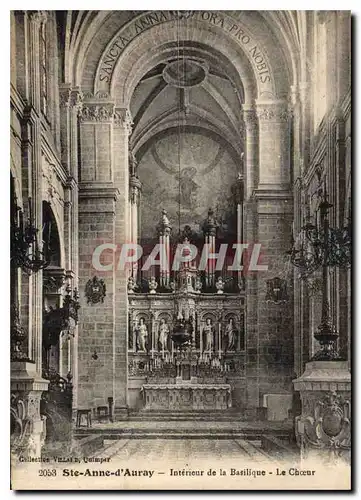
(186, 337)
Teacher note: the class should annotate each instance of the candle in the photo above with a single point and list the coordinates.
(301, 427)
(21, 221)
(219, 339)
(30, 211)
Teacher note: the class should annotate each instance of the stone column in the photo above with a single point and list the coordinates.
(97, 197)
(274, 349)
(251, 152)
(250, 232)
(27, 384)
(135, 187)
(70, 107)
(120, 160)
(274, 145)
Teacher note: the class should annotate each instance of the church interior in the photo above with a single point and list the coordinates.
(140, 139)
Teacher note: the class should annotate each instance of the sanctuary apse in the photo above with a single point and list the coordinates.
(118, 115)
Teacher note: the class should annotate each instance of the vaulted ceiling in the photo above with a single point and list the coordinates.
(210, 101)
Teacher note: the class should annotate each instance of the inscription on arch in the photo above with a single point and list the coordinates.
(146, 21)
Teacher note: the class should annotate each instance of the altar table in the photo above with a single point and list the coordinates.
(187, 396)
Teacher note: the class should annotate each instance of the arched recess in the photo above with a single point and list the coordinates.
(134, 59)
(138, 58)
(91, 33)
(51, 237)
(170, 130)
(193, 121)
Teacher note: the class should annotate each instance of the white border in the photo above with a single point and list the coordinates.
(4, 191)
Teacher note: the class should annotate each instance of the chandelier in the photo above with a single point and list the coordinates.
(25, 251)
(321, 246)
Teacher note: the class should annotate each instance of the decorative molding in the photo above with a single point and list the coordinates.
(96, 112)
(250, 118)
(123, 118)
(100, 94)
(24, 413)
(38, 16)
(273, 113)
(71, 98)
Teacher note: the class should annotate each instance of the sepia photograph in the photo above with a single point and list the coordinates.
(180, 250)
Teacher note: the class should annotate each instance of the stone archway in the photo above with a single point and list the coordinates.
(105, 126)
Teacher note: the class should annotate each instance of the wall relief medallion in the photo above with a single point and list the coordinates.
(95, 290)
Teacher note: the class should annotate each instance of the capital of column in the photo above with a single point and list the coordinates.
(96, 112)
(71, 97)
(123, 119)
(250, 117)
(273, 111)
(304, 92)
(37, 16)
(323, 16)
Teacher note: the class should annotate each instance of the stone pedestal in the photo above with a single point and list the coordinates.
(323, 430)
(277, 405)
(27, 425)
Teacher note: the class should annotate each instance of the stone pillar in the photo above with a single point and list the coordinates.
(250, 236)
(323, 430)
(135, 187)
(273, 350)
(120, 158)
(251, 153)
(274, 145)
(70, 107)
(33, 173)
(97, 198)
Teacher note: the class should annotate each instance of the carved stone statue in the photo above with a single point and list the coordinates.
(142, 335)
(163, 334)
(153, 285)
(220, 285)
(198, 284)
(208, 332)
(230, 335)
(131, 284)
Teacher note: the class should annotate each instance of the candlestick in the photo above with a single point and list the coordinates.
(30, 211)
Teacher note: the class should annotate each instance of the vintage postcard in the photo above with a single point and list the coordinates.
(180, 250)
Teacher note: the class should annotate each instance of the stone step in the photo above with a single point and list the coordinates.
(144, 415)
(179, 433)
(179, 419)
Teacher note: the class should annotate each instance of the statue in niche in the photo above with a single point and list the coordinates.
(142, 335)
(208, 335)
(230, 336)
(163, 334)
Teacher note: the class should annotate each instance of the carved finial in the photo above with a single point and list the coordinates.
(164, 226)
(210, 225)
